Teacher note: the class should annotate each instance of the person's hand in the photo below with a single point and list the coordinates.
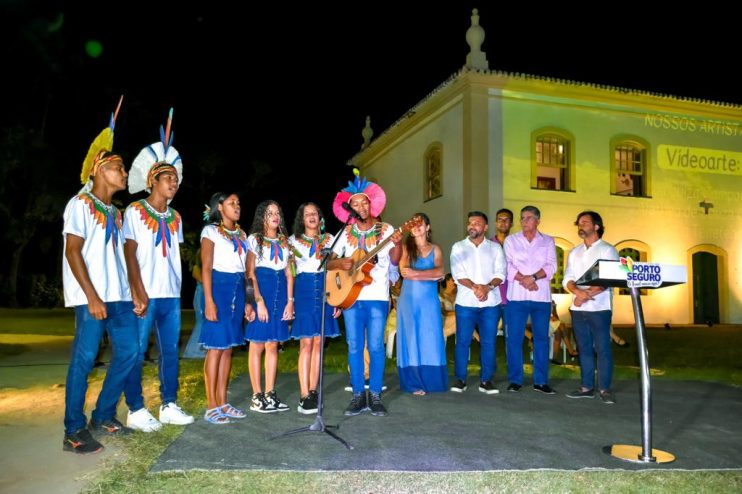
(346, 263)
(210, 311)
(288, 311)
(396, 237)
(97, 308)
(336, 313)
(408, 273)
(262, 311)
(482, 292)
(249, 313)
(141, 302)
(581, 296)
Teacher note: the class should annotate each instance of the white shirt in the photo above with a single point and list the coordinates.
(352, 239)
(480, 264)
(580, 259)
(103, 250)
(309, 249)
(275, 253)
(158, 237)
(230, 248)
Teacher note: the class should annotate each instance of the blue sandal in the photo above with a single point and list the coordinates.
(215, 416)
(232, 412)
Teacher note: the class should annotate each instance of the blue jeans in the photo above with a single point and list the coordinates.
(366, 317)
(593, 333)
(121, 325)
(517, 316)
(164, 315)
(193, 349)
(485, 319)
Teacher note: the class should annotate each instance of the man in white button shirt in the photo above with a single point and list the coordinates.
(478, 266)
(591, 308)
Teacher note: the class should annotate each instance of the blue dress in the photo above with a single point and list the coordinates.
(421, 350)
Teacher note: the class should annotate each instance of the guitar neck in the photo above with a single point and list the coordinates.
(375, 250)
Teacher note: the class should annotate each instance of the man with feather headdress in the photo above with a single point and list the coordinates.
(153, 232)
(95, 284)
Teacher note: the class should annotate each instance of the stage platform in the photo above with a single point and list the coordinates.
(449, 432)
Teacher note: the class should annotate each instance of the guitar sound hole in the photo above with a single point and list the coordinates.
(337, 281)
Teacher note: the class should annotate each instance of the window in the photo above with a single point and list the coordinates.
(433, 172)
(629, 168)
(552, 160)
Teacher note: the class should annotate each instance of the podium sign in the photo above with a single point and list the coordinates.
(636, 276)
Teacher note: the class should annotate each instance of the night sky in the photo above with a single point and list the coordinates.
(297, 114)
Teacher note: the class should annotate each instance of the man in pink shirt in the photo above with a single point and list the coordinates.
(531, 258)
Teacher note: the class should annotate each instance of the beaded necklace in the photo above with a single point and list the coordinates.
(163, 225)
(236, 236)
(105, 215)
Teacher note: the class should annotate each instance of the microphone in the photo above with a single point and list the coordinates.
(351, 211)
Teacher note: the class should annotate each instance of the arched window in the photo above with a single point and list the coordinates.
(563, 247)
(629, 167)
(552, 162)
(433, 172)
(635, 251)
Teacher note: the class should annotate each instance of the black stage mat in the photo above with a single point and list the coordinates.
(697, 422)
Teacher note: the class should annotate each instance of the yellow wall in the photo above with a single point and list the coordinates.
(485, 124)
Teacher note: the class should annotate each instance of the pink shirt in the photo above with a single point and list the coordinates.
(528, 258)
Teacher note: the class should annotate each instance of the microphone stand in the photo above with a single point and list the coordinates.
(319, 421)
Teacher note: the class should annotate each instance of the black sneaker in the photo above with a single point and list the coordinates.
(357, 405)
(272, 399)
(81, 442)
(607, 397)
(260, 404)
(488, 387)
(459, 386)
(514, 388)
(110, 427)
(308, 404)
(579, 393)
(544, 388)
(377, 407)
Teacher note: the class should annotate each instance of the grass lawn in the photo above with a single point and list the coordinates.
(696, 353)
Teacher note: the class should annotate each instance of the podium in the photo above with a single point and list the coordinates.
(636, 276)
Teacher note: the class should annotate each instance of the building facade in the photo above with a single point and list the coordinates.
(664, 172)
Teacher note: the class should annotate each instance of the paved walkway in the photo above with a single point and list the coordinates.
(31, 419)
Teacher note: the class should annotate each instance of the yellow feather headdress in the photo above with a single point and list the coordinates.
(102, 144)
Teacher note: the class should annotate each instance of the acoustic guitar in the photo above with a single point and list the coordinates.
(344, 287)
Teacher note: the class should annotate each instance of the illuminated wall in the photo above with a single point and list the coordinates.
(486, 125)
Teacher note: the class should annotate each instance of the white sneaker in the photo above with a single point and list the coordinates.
(173, 414)
(142, 420)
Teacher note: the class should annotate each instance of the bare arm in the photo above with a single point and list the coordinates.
(259, 302)
(342, 263)
(207, 264)
(433, 274)
(288, 311)
(138, 293)
(73, 253)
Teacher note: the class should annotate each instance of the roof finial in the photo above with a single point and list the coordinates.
(476, 59)
(367, 133)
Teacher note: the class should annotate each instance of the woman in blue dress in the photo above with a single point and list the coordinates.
(421, 353)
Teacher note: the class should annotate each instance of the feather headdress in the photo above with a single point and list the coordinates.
(154, 159)
(101, 145)
(375, 194)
